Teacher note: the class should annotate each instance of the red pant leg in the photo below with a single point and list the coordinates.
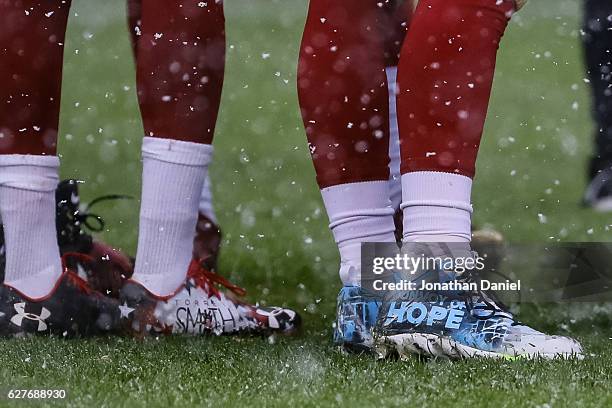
(180, 67)
(445, 77)
(32, 34)
(343, 91)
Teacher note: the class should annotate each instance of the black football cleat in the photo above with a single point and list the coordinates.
(71, 309)
(200, 308)
(108, 268)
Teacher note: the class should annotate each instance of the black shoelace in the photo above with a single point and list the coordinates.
(485, 300)
(83, 216)
(71, 219)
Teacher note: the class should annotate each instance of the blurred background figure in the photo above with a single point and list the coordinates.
(597, 40)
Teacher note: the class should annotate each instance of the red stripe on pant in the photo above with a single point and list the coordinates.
(180, 62)
(445, 77)
(32, 34)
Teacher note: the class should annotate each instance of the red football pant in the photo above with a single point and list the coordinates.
(180, 63)
(342, 88)
(445, 77)
(32, 36)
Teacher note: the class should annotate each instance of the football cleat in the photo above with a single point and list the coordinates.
(71, 309)
(460, 324)
(357, 312)
(109, 268)
(200, 308)
(356, 315)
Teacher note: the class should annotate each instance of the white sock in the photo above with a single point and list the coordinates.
(358, 212)
(27, 205)
(172, 180)
(395, 184)
(436, 207)
(206, 202)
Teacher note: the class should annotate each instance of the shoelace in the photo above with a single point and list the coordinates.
(83, 216)
(486, 300)
(209, 280)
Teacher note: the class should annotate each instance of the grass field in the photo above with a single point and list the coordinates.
(277, 243)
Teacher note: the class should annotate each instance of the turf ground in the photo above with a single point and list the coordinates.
(276, 240)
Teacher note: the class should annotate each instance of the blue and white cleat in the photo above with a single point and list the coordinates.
(356, 316)
(454, 329)
(461, 324)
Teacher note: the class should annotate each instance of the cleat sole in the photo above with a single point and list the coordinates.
(432, 345)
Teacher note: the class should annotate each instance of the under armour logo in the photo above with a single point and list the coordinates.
(22, 314)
